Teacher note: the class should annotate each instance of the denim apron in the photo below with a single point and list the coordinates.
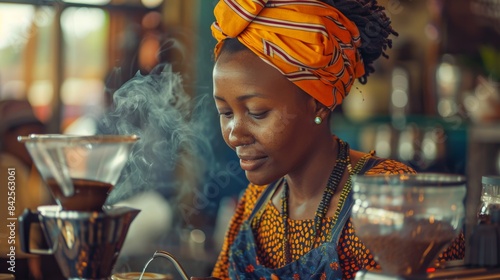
(321, 262)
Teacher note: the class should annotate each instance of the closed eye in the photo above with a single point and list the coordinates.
(226, 114)
(259, 115)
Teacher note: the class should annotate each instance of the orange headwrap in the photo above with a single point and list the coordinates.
(313, 44)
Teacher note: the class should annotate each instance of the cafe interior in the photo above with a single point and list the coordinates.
(433, 105)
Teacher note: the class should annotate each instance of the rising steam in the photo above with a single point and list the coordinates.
(173, 128)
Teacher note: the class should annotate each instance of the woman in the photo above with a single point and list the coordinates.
(281, 68)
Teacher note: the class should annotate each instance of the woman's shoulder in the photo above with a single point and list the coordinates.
(388, 166)
(372, 164)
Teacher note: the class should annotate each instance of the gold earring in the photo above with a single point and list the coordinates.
(318, 120)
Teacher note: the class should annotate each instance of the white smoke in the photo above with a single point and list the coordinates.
(173, 128)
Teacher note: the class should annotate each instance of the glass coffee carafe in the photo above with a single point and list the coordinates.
(406, 220)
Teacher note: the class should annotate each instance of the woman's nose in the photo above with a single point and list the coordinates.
(238, 133)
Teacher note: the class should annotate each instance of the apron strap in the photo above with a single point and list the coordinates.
(262, 201)
(370, 163)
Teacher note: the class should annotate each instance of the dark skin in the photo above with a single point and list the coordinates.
(269, 122)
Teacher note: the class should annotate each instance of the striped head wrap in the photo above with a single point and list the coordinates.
(313, 44)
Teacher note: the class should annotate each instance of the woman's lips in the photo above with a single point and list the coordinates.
(250, 164)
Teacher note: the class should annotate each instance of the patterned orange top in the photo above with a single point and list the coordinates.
(352, 253)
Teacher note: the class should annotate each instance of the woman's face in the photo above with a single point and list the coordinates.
(264, 117)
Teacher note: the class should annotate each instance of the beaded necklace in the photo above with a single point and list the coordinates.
(331, 187)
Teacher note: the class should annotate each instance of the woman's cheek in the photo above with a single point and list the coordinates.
(224, 127)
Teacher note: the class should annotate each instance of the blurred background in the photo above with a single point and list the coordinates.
(435, 104)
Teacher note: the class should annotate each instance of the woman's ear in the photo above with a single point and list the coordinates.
(322, 111)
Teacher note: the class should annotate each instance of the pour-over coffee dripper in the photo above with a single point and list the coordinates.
(84, 236)
(406, 220)
(86, 245)
(79, 170)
